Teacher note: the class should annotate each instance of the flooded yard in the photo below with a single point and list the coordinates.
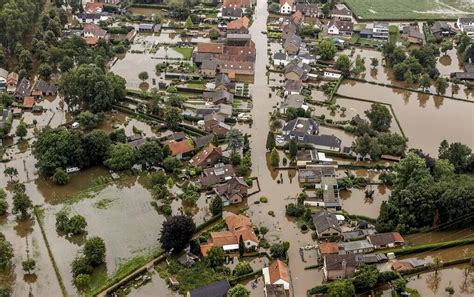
(425, 119)
(354, 201)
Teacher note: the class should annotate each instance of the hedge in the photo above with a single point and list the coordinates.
(235, 280)
(207, 223)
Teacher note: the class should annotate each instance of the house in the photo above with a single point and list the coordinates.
(136, 143)
(22, 89)
(386, 240)
(314, 175)
(218, 97)
(441, 29)
(340, 27)
(146, 27)
(412, 34)
(279, 59)
(95, 18)
(326, 225)
(208, 156)
(310, 10)
(3, 79)
(292, 44)
(341, 12)
(209, 68)
(308, 157)
(289, 29)
(239, 226)
(306, 58)
(339, 266)
(231, 13)
(93, 32)
(356, 247)
(292, 101)
(237, 3)
(239, 26)
(233, 191)
(277, 273)
(468, 74)
(238, 39)
(180, 149)
(357, 234)
(299, 128)
(297, 18)
(178, 136)
(293, 87)
(293, 72)
(223, 83)
(380, 30)
(328, 248)
(286, 6)
(331, 73)
(216, 289)
(93, 7)
(12, 82)
(466, 25)
(211, 120)
(324, 142)
(232, 68)
(202, 141)
(274, 291)
(216, 175)
(330, 191)
(408, 264)
(42, 88)
(28, 102)
(210, 47)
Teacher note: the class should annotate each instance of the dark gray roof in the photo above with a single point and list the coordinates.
(329, 141)
(325, 220)
(23, 88)
(293, 100)
(275, 290)
(93, 16)
(202, 141)
(292, 40)
(307, 8)
(146, 26)
(177, 136)
(294, 68)
(201, 57)
(215, 96)
(223, 79)
(381, 25)
(231, 12)
(294, 86)
(209, 64)
(315, 172)
(45, 87)
(216, 174)
(412, 31)
(279, 56)
(216, 289)
(334, 262)
(301, 126)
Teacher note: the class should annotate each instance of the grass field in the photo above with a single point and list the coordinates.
(410, 9)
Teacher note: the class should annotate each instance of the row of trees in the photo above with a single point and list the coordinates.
(93, 255)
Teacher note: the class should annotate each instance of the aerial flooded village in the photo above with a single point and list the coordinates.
(236, 148)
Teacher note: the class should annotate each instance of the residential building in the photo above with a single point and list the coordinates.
(331, 73)
(441, 29)
(310, 10)
(380, 30)
(386, 240)
(240, 26)
(274, 291)
(3, 79)
(12, 82)
(326, 225)
(180, 149)
(93, 7)
(293, 72)
(289, 29)
(292, 44)
(468, 74)
(237, 226)
(216, 175)
(279, 59)
(277, 273)
(356, 247)
(209, 68)
(91, 33)
(314, 175)
(216, 289)
(339, 266)
(341, 12)
(232, 68)
(231, 13)
(218, 97)
(340, 27)
(412, 34)
(208, 156)
(4, 118)
(223, 83)
(237, 3)
(300, 128)
(202, 141)
(22, 89)
(328, 248)
(238, 39)
(233, 191)
(146, 27)
(466, 25)
(324, 142)
(43, 88)
(297, 18)
(92, 17)
(306, 158)
(286, 6)
(292, 101)
(293, 87)
(327, 184)
(28, 102)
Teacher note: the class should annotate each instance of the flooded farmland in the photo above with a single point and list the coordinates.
(425, 119)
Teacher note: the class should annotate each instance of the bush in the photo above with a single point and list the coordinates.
(242, 268)
(60, 177)
(82, 281)
(264, 199)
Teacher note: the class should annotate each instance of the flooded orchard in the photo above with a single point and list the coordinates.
(426, 120)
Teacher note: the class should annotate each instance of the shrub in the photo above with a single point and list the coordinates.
(264, 199)
(60, 177)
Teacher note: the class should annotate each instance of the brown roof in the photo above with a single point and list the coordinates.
(334, 262)
(383, 239)
(201, 157)
(205, 248)
(278, 270)
(247, 234)
(235, 222)
(180, 147)
(239, 23)
(95, 30)
(297, 17)
(223, 238)
(90, 40)
(28, 102)
(12, 78)
(328, 248)
(290, 2)
(236, 3)
(210, 47)
(92, 7)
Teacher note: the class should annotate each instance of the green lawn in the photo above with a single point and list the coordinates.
(187, 52)
(408, 9)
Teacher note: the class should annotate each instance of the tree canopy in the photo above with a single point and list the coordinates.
(177, 232)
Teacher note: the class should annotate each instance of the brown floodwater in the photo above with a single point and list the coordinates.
(437, 236)
(354, 201)
(426, 120)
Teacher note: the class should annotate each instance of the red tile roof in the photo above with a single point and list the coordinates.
(92, 7)
(28, 102)
(180, 147)
(201, 157)
(209, 47)
(290, 2)
(239, 23)
(278, 271)
(328, 248)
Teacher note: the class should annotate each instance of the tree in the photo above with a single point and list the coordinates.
(241, 246)
(94, 251)
(374, 62)
(441, 85)
(215, 257)
(28, 265)
(96, 143)
(5, 290)
(379, 116)
(120, 157)
(425, 82)
(359, 65)
(446, 46)
(117, 85)
(343, 110)
(3, 202)
(21, 130)
(214, 34)
(344, 64)
(458, 154)
(81, 265)
(234, 139)
(341, 288)
(66, 64)
(10, 172)
(280, 250)
(60, 177)
(143, 76)
(76, 225)
(263, 231)
(270, 141)
(88, 120)
(216, 206)
(82, 281)
(365, 277)
(274, 8)
(21, 204)
(366, 145)
(6, 252)
(238, 291)
(189, 23)
(150, 154)
(449, 290)
(215, 140)
(326, 49)
(293, 148)
(45, 71)
(173, 117)
(274, 158)
(177, 232)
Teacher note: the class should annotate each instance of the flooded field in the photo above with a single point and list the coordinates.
(426, 120)
(354, 201)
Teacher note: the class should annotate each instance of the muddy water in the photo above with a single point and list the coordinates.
(345, 137)
(438, 236)
(449, 63)
(121, 214)
(354, 201)
(426, 120)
